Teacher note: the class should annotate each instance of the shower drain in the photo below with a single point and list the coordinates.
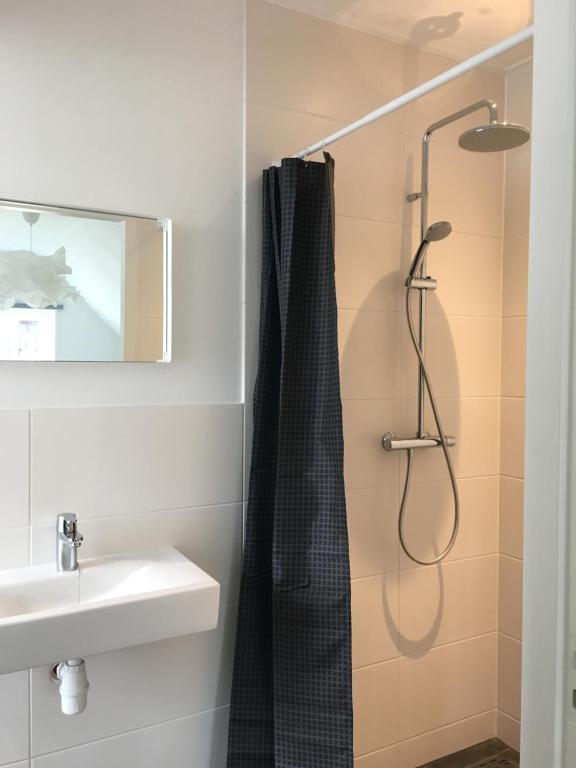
(498, 761)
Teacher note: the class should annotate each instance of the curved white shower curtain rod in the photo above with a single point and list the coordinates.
(422, 90)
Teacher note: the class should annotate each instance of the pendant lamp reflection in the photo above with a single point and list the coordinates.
(37, 281)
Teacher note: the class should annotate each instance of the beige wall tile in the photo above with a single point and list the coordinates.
(445, 741)
(273, 133)
(370, 174)
(369, 345)
(374, 619)
(519, 94)
(463, 357)
(478, 84)
(369, 171)
(430, 516)
(515, 276)
(446, 685)
(332, 61)
(517, 192)
(375, 707)
(512, 437)
(366, 463)
(508, 730)
(474, 422)
(510, 601)
(513, 356)
(447, 603)
(368, 261)
(384, 758)
(509, 675)
(512, 517)
(464, 187)
(458, 263)
(373, 530)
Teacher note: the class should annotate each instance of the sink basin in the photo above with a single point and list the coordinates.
(108, 603)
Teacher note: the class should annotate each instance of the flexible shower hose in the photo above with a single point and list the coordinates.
(449, 465)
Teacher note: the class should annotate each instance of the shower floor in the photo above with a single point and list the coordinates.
(489, 754)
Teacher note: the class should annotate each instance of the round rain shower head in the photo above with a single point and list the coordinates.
(495, 137)
(438, 231)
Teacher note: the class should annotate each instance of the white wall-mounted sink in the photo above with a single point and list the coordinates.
(108, 603)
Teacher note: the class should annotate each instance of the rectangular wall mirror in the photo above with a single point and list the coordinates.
(82, 285)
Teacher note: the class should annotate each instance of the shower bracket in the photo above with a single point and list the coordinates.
(390, 442)
(424, 283)
(413, 196)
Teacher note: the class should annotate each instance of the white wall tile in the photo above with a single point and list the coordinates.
(182, 159)
(14, 548)
(137, 687)
(100, 462)
(22, 764)
(14, 717)
(252, 326)
(210, 536)
(199, 741)
(14, 468)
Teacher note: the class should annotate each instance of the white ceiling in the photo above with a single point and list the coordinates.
(454, 28)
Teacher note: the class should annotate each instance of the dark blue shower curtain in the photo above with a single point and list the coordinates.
(292, 687)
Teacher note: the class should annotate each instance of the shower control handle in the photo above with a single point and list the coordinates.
(390, 442)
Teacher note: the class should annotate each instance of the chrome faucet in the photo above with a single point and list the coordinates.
(67, 542)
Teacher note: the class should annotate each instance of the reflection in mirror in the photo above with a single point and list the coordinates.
(80, 285)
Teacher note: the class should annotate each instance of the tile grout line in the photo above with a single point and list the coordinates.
(30, 563)
(422, 568)
(427, 733)
(397, 659)
(130, 731)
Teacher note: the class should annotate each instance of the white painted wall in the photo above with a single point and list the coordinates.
(131, 105)
(134, 106)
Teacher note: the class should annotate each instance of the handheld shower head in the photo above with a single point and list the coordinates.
(437, 231)
(494, 137)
